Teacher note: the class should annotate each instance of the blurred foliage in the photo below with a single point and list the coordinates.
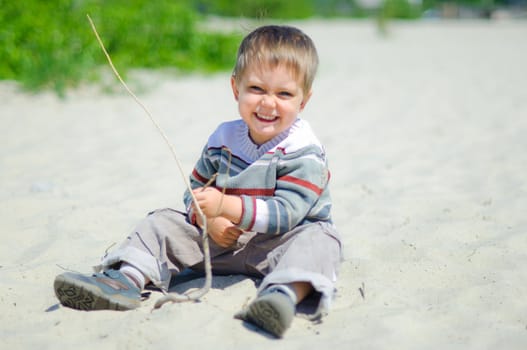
(401, 9)
(258, 8)
(298, 9)
(49, 44)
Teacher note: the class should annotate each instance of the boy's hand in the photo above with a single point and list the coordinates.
(213, 203)
(209, 200)
(223, 232)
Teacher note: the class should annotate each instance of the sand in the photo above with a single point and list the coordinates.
(426, 131)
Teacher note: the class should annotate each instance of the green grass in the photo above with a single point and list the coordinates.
(50, 44)
(259, 8)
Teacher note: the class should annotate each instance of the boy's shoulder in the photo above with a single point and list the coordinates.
(234, 135)
(227, 132)
(301, 136)
(231, 126)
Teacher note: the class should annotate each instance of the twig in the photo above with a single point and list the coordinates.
(174, 297)
(362, 291)
(224, 188)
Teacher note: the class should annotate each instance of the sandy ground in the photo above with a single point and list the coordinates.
(426, 130)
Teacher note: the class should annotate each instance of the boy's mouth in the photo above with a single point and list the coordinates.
(265, 118)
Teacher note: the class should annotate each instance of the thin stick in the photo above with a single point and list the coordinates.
(208, 270)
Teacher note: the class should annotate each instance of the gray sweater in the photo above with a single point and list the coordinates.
(282, 183)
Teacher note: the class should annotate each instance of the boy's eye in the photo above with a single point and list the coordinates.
(255, 88)
(285, 94)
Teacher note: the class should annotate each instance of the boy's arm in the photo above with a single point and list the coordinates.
(299, 191)
(222, 213)
(299, 186)
(203, 171)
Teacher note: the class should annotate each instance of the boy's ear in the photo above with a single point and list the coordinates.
(306, 99)
(235, 90)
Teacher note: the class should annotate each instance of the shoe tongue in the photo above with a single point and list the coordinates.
(281, 288)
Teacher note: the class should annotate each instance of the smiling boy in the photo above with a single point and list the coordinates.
(268, 210)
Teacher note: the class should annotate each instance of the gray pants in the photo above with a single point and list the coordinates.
(165, 243)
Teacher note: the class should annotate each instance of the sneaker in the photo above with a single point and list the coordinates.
(273, 312)
(110, 290)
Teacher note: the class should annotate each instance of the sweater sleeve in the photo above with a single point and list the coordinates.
(201, 174)
(300, 182)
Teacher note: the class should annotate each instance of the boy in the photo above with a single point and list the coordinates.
(267, 210)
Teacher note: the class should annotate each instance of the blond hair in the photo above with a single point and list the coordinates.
(274, 45)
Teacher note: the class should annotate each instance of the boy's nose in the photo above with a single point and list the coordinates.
(267, 101)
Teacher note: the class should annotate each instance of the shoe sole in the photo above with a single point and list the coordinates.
(268, 314)
(79, 295)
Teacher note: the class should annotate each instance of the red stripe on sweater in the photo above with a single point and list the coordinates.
(198, 176)
(303, 183)
(264, 192)
(253, 219)
(281, 149)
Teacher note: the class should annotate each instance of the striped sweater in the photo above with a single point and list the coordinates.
(282, 183)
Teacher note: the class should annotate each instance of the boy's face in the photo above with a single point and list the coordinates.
(269, 100)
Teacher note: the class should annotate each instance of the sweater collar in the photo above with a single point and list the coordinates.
(254, 151)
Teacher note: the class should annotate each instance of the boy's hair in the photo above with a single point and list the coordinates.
(276, 45)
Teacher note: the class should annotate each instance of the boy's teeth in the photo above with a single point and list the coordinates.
(266, 117)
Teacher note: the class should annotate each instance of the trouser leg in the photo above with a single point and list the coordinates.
(162, 244)
(308, 253)
(165, 243)
(312, 254)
